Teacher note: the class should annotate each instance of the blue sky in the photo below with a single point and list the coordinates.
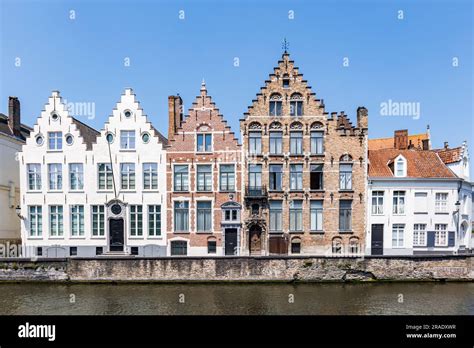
(409, 60)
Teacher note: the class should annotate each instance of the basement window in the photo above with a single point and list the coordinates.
(134, 250)
(98, 250)
(73, 251)
(39, 251)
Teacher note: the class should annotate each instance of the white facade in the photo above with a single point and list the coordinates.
(105, 203)
(427, 222)
(9, 187)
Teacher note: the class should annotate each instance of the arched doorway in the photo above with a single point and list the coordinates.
(255, 240)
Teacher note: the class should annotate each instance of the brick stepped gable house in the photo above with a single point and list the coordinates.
(204, 185)
(304, 171)
(13, 135)
(419, 198)
(86, 193)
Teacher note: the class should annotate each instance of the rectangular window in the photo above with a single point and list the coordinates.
(316, 177)
(255, 143)
(136, 220)
(55, 172)
(398, 231)
(204, 143)
(377, 202)
(154, 220)
(275, 107)
(296, 176)
(441, 202)
(255, 176)
(127, 176)
(316, 215)
(98, 220)
(204, 177)
(296, 216)
(34, 176)
(179, 247)
(441, 235)
(35, 214)
(296, 143)
(211, 247)
(231, 215)
(296, 246)
(419, 235)
(181, 176)
(421, 202)
(345, 215)
(105, 176)
(73, 251)
(317, 141)
(276, 176)
(227, 177)
(204, 216)
(55, 141)
(345, 176)
(276, 215)
(399, 202)
(76, 176)
(150, 176)
(56, 220)
(77, 220)
(181, 216)
(127, 140)
(276, 140)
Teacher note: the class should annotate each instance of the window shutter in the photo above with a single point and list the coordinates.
(431, 239)
(451, 237)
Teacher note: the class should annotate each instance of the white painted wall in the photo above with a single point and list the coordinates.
(411, 217)
(153, 151)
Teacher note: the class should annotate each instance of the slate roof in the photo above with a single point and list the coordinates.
(160, 136)
(5, 129)
(88, 134)
(420, 163)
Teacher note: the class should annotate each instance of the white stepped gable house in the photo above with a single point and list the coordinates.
(418, 202)
(87, 193)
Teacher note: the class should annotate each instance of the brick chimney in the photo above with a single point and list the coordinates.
(400, 139)
(362, 117)
(175, 114)
(14, 119)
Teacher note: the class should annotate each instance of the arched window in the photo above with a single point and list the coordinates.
(296, 245)
(275, 104)
(337, 245)
(345, 172)
(211, 245)
(400, 167)
(296, 105)
(354, 245)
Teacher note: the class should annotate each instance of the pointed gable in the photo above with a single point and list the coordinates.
(56, 118)
(204, 116)
(288, 82)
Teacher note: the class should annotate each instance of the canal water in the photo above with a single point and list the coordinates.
(250, 299)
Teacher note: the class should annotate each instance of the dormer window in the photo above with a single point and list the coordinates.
(275, 104)
(204, 143)
(400, 167)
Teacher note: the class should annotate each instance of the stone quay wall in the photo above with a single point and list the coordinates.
(239, 269)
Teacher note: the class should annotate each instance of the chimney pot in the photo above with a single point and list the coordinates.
(400, 140)
(175, 115)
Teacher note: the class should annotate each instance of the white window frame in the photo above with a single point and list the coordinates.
(398, 235)
(150, 174)
(441, 204)
(398, 197)
(136, 211)
(56, 230)
(154, 220)
(98, 217)
(76, 170)
(55, 176)
(76, 212)
(419, 235)
(377, 202)
(35, 218)
(127, 140)
(441, 235)
(34, 176)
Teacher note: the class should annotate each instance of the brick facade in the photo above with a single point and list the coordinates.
(203, 119)
(343, 143)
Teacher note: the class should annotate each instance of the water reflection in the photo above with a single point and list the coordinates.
(224, 299)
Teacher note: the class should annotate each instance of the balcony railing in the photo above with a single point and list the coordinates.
(256, 191)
